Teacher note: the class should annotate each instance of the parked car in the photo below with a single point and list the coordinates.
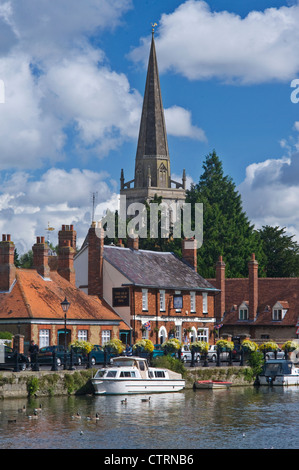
(212, 354)
(97, 355)
(45, 355)
(271, 355)
(10, 358)
(186, 355)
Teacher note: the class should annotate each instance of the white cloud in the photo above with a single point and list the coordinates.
(178, 123)
(270, 193)
(200, 43)
(58, 197)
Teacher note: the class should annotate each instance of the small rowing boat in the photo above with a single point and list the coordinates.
(212, 384)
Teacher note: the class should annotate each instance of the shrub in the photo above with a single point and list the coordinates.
(32, 386)
(169, 362)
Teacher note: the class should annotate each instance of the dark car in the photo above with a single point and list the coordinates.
(10, 359)
(45, 355)
(97, 355)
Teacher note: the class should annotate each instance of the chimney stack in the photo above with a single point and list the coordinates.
(95, 260)
(189, 252)
(40, 257)
(7, 266)
(66, 253)
(133, 242)
(253, 287)
(220, 284)
(66, 233)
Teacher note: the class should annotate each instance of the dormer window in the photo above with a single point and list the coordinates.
(279, 310)
(277, 314)
(243, 311)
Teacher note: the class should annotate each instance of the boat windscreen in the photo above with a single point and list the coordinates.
(272, 369)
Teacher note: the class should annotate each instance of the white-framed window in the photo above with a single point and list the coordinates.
(144, 299)
(44, 338)
(178, 332)
(192, 302)
(277, 314)
(204, 302)
(243, 314)
(82, 335)
(106, 335)
(177, 292)
(162, 300)
(203, 334)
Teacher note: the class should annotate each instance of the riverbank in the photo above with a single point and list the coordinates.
(48, 383)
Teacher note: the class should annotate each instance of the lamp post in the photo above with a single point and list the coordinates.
(65, 305)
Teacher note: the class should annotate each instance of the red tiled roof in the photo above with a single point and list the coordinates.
(269, 291)
(34, 297)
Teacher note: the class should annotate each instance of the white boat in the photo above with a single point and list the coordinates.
(128, 375)
(279, 372)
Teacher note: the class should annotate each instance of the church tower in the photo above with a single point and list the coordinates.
(152, 164)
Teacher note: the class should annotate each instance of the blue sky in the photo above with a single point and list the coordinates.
(74, 75)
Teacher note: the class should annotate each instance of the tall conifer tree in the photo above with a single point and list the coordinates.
(226, 228)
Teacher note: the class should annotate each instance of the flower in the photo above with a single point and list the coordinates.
(145, 345)
(225, 344)
(268, 346)
(171, 345)
(250, 345)
(290, 345)
(200, 346)
(115, 345)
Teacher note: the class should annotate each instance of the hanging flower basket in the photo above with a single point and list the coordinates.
(171, 345)
(289, 346)
(249, 346)
(114, 346)
(143, 345)
(268, 346)
(199, 346)
(225, 345)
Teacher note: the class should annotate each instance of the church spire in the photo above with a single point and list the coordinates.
(152, 141)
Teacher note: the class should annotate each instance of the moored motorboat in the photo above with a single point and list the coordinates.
(279, 372)
(212, 384)
(128, 375)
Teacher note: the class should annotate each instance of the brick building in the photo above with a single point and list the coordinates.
(30, 299)
(260, 308)
(155, 293)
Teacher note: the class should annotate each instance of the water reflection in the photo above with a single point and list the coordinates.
(236, 418)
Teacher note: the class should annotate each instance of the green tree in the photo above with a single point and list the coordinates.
(26, 260)
(281, 251)
(16, 259)
(226, 228)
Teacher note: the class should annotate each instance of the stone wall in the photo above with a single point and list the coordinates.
(48, 383)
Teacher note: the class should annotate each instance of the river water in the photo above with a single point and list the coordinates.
(239, 418)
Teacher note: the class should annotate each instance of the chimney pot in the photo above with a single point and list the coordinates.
(8, 238)
(42, 239)
(4, 238)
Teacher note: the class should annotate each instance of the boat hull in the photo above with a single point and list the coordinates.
(104, 386)
(211, 384)
(279, 380)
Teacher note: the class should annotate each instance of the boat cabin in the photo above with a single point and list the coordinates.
(277, 367)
